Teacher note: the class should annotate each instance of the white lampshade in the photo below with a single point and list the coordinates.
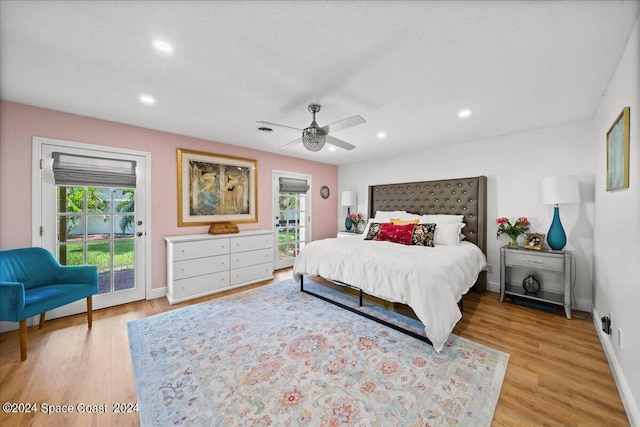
(559, 189)
(349, 198)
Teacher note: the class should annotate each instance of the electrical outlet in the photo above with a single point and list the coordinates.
(606, 325)
(489, 269)
(619, 338)
(611, 319)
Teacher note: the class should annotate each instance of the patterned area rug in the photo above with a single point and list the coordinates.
(274, 356)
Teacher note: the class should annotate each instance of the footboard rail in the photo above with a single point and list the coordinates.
(361, 313)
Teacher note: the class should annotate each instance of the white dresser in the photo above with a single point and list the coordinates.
(203, 264)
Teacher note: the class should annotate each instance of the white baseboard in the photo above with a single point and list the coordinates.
(623, 388)
(12, 326)
(158, 293)
(493, 287)
(9, 326)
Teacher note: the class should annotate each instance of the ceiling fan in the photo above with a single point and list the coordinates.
(314, 137)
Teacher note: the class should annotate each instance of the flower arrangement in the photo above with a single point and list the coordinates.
(356, 219)
(521, 226)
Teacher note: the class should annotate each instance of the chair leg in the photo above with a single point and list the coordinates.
(23, 340)
(89, 311)
(41, 324)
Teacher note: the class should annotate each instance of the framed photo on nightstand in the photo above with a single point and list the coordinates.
(534, 241)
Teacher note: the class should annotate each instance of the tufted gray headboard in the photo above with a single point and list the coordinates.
(459, 196)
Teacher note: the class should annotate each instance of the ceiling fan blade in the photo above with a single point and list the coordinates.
(343, 124)
(339, 143)
(291, 144)
(278, 125)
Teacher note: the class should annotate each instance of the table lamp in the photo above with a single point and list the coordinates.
(349, 198)
(556, 190)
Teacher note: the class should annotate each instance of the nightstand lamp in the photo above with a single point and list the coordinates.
(349, 198)
(556, 190)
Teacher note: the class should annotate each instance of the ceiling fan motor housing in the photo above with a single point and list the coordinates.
(313, 138)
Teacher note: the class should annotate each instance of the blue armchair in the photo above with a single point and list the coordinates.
(33, 282)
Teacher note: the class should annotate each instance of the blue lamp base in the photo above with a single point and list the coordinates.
(556, 238)
(347, 222)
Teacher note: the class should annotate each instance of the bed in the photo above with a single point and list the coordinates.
(430, 280)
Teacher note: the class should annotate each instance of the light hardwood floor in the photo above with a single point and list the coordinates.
(557, 373)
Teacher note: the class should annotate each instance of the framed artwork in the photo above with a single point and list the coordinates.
(324, 192)
(534, 241)
(618, 152)
(216, 188)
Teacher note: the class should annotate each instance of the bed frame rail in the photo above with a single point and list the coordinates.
(362, 313)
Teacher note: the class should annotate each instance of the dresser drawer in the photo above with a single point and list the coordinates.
(200, 266)
(244, 259)
(200, 249)
(531, 260)
(254, 272)
(199, 285)
(249, 243)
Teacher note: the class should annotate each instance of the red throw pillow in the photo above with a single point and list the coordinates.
(396, 233)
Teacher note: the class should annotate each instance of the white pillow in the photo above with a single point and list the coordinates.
(442, 219)
(448, 234)
(407, 217)
(385, 216)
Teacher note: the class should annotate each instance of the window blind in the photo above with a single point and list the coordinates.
(293, 185)
(72, 169)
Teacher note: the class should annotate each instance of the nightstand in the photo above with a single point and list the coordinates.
(554, 266)
(345, 233)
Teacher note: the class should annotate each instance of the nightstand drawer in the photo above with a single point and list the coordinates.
(531, 260)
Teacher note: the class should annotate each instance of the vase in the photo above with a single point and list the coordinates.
(348, 224)
(531, 285)
(513, 243)
(556, 238)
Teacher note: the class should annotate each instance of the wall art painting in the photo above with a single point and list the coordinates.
(618, 152)
(216, 188)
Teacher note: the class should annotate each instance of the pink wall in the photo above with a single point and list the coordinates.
(19, 123)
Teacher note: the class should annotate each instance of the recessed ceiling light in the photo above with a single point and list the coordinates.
(463, 114)
(147, 99)
(331, 148)
(163, 46)
(382, 135)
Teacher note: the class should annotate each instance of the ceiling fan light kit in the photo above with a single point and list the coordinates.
(315, 137)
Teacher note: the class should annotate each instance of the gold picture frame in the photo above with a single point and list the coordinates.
(618, 152)
(534, 241)
(216, 188)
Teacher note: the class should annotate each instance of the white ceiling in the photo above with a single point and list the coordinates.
(406, 67)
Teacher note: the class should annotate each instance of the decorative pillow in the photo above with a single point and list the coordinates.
(423, 235)
(372, 231)
(396, 221)
(448, 234)
(396, 233)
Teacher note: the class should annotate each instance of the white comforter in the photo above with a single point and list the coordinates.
(431, 280)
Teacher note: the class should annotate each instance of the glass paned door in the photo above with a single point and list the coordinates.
(102, 225)
(292, 226)
(95, 226)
